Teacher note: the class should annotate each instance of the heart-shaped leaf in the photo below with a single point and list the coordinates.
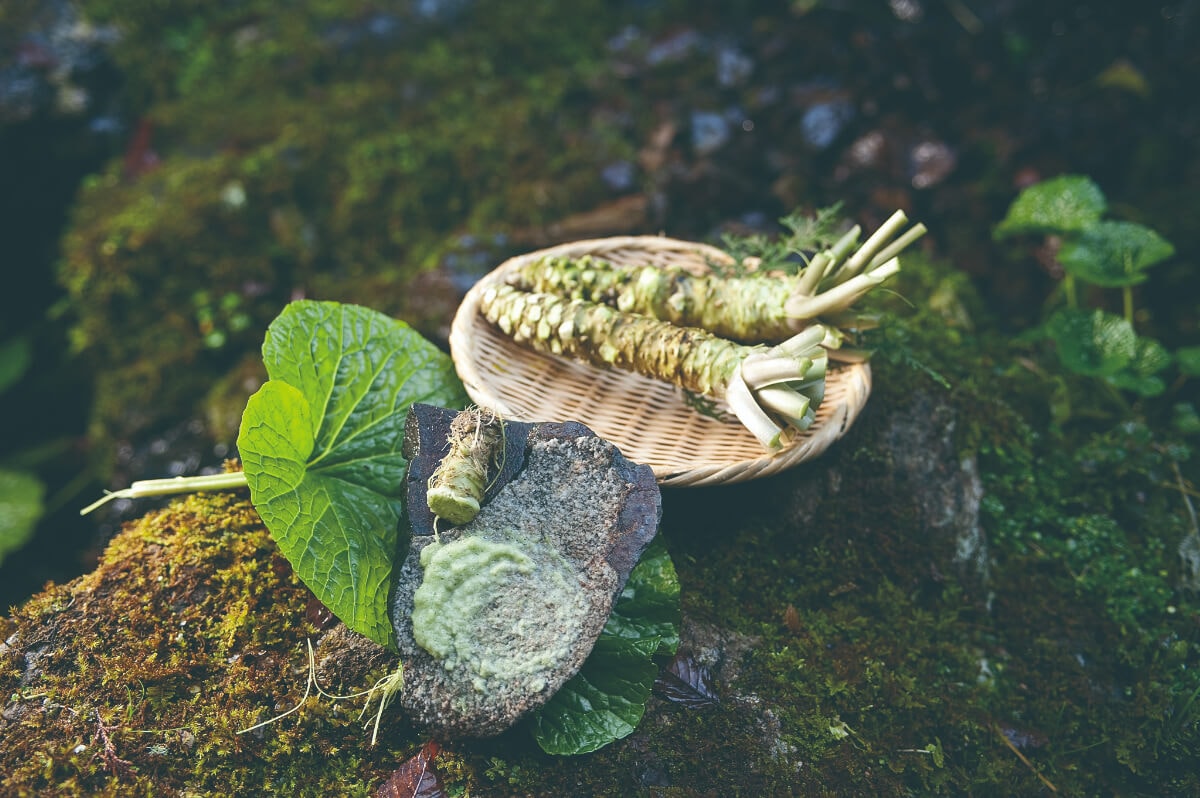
(1114, 254)
(320, 443)
(1059, 205)
(20, 508)
(15, 355)
(1092, 342)
(1188, 358)
(1149, 357)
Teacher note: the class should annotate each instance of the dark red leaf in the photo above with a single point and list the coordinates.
(685, 681)
(139, 157)
(791, 619)
(416, 778)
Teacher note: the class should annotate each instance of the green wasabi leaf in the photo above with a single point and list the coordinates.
(604, 702)
(21, 496)
(1149, 357)
(1141, 385)
(1114, 254)
(1188, 358)
(15, 355)
(1093, 343)
(649, 604)
(1185, 419)
(1059, 205)
(606, 699)
(320, 445)
(1140, 376)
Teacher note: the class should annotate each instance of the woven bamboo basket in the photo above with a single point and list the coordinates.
(648, 420)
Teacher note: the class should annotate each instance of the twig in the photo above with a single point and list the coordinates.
(108, 752)
(1024, 759)
(1184, 492)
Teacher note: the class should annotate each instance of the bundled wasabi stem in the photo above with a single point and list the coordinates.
(457, 486)
(750, 309)
(760, 384)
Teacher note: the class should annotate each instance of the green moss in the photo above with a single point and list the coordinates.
(192, 628)
(289, 163)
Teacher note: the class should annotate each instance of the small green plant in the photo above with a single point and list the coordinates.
(1107, 254)
(21, 492)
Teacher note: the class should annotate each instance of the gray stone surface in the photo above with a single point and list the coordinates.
(515, 599)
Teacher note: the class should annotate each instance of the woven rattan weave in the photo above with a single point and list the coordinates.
(650, 421)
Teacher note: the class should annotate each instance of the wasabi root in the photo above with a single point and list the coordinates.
(749, 309)
(457, 486)
(688, 357)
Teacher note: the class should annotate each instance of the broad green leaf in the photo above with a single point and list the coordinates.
(606, 699)
(1059, 205)
(1137, 383)
(1188, 358)
(15, 355)
(21, 496)
(604, 702)
(1185, 419)
(649, 604)
(320, 445)
(1149, 357)
(1093, 343)
(1114, 254)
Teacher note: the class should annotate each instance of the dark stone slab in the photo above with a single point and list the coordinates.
(494, 616)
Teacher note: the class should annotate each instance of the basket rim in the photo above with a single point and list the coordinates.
(487, 391)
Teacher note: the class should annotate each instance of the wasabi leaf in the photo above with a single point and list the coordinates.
(1059, 205)
(649, 604)
(20, 508)
(1141, 385)
(1188, 358)
(320, 444)
(604, 702)
(1093, 343)
(1185, 419)
(606, 699)
(15, 356)
(1114, 254)
(1149, 358)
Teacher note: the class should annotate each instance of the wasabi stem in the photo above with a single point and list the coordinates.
(687, 357)
(167, 487)
(456, 488)
(750, 309)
